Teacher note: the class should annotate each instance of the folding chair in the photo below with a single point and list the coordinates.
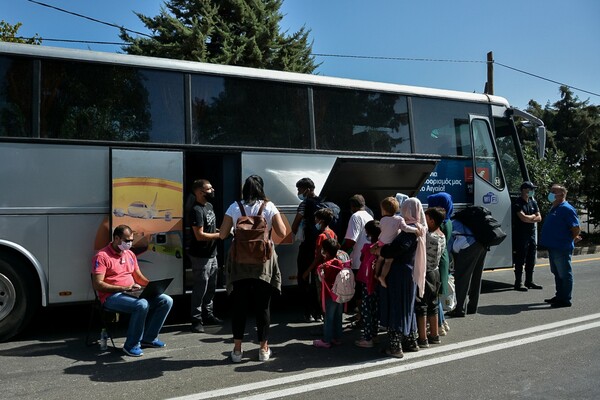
(107, 316)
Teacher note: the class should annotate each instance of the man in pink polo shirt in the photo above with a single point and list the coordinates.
(115, 270)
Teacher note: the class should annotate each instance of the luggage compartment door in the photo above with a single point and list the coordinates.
(147, 195)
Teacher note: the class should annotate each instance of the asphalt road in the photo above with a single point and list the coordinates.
(516, 347)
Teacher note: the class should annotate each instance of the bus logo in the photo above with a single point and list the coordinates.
(490, 198)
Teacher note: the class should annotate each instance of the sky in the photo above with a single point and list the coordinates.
(555, 39)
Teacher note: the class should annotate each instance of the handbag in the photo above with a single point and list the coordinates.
(449, 300)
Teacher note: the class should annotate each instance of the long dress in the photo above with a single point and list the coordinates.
(397, 301)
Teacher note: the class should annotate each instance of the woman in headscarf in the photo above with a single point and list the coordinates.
(406, 276)
(443, 200)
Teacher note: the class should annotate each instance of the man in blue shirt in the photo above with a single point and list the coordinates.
(559, 234)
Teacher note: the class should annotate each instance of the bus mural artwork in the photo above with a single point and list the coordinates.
(115, 139)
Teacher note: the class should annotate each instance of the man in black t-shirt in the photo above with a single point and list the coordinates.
(525, 214)
(203, 255)
(304, 223)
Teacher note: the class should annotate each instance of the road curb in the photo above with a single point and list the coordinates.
(576, 252)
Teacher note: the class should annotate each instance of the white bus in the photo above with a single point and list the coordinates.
(91, 140)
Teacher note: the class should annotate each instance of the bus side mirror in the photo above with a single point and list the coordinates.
(541, 141)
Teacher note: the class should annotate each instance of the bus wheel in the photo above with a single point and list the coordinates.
(17, 298)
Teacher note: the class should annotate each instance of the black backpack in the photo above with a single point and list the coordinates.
(486, 229)
(312, 206)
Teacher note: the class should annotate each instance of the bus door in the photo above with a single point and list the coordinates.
(222, 170)
(489, 187)
(147, 195)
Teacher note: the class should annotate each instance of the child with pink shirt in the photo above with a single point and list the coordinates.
(390, 224)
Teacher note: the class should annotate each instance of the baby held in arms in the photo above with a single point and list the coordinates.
(391, 224)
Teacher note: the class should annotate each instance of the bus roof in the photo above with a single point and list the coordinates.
(242, 72)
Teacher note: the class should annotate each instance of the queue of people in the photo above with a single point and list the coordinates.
(402, 264)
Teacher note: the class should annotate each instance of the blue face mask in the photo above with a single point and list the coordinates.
(318, 226)
(551, 197)
(531, 193)
(301, 197)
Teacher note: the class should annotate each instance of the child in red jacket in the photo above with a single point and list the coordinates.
(332, 329)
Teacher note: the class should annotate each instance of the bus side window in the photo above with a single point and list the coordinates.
(486, 161)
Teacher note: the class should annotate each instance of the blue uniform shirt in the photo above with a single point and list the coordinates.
(556, 231)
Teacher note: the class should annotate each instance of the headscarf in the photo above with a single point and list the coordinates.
(401, 198)
(443, 200)
(412, 211)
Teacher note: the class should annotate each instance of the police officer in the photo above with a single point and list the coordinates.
(525, 214)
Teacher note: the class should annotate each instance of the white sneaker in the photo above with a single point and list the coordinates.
(441, 330)
(236, 356)
(264, 355)
(446, 326)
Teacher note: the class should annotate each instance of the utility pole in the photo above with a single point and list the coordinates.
(489, 85)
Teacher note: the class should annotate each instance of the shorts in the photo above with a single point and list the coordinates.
(428, 304)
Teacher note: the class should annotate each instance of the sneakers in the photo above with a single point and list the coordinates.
(364, 343)
(264, 355)
(410, 345)
(212, 320)
(236, 356)
(423, 343)
(442, 330)
(446, 326)
(394, 353)
(157, 344)
(197, 327)
(309, 319)
(320, 343)
(135, 351)
(433, 340)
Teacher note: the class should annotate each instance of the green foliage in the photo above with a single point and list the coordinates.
(8, 33)
(573, 146)
(550, 170)
(233, 32)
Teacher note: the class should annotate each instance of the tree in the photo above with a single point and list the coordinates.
(574, 144)
(8, 33)
(233, 32)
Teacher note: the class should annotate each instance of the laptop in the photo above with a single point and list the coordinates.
(154, 289)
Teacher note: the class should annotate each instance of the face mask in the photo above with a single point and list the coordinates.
(301, 197)
(318, 226)
(125, 246)
(323, 254)
(209, 195)
(551, 197)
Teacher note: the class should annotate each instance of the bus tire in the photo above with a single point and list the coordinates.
(18, 297)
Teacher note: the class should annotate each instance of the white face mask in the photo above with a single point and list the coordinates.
(125, 246)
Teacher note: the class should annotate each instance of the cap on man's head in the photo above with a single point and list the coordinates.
(528, 185)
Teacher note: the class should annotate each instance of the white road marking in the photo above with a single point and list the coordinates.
(535, 334)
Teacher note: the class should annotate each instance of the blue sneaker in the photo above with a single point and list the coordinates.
(157, 344)
(135, 351)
